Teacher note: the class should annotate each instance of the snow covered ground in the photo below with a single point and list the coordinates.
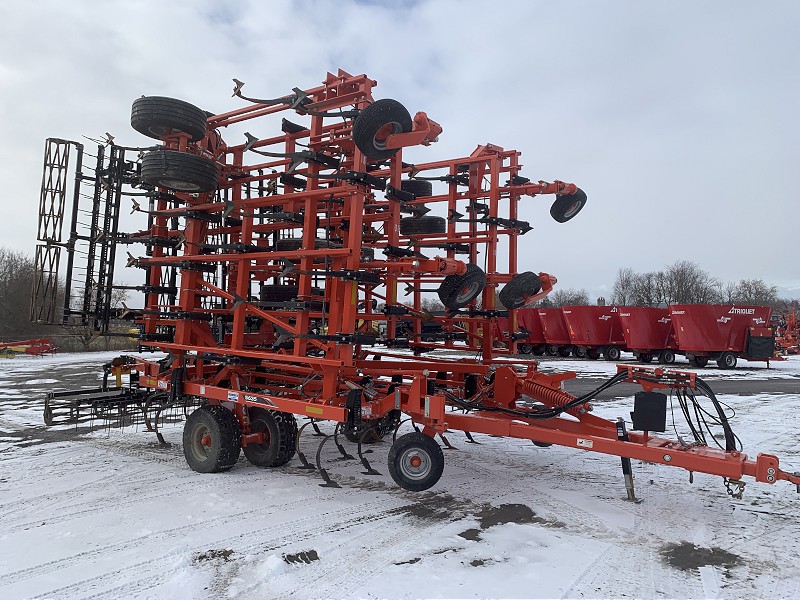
(110, 514)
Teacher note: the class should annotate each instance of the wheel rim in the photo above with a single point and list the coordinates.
(259, 426)
(468, 292)
(182, 186)
(415, 464)
(201, 442)
(380, 137)
(573, 209)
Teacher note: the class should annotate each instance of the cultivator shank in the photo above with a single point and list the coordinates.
(286, 275)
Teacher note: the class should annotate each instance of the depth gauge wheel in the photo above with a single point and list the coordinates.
(522, 286)
(179, 171)
(416, 461)
(456, 291)
(419, 187)
(156, 116)
(376, 123)
(566, 207)
(212, 439)
(280, 434)
(428, 224)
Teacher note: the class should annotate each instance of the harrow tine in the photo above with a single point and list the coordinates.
(364, 461)
(306, 465)
(342, 451)
(324, 473)
(470, 439)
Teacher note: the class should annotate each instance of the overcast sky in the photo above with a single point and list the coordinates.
(680, 119)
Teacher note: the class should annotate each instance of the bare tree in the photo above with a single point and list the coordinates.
(687, 283)
(648, 289)
(569, 297)
(622, 292)
(754, 292)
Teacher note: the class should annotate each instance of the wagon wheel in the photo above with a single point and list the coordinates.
(157, 116)
(376, 123)
(726, 360)
(522, 286)
(567, 206)
(212, 439)
(552, 350)
(280, 435)
(612, 353)
(456, 291)
(538, 349)
(645, 357)
(579, 352)
(179, 171)
(565, 351)
(666, 357)
(593, 353)
(525, 348)
(698, 361)
(428, 224)
(416, 462)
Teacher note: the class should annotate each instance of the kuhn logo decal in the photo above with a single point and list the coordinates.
(759, 321)
(605, 317)
(664, 320)
(742, 311)
(723, 319)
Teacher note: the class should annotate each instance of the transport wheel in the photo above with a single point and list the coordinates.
(376, 123)
(419, 187)
(538, 350)
(153, 116)
(612, 353)
(645, 357)
(566, 207)
(416, 461)
(428, 224)
(179, 171)
(521, 286)
(456, 291)
(726, 360)
(212, 439)
(280, 433)
(552, 350)
(579, 352)
(385, 425)
(524, 348)
(698, 361)
(593, 353)
(565, 351)
(666, 357)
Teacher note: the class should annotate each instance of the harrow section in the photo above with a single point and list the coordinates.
(284, 275)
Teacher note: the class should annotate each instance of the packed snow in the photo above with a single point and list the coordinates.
(111, 514)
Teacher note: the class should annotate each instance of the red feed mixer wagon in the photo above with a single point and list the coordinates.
(723, 332)
(648, 333)
(595, 330)
(273, 269)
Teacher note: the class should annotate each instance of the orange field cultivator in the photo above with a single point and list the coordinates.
(284, 276)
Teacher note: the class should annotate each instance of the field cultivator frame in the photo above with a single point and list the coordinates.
(265, 286)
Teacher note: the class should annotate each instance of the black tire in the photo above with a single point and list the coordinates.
(698, 361)
(416, 462)
(212, 439)
(521, 286)
(428, 224)
(456, 291)
(666, 357)
(538, 350)
(579, 352)
(284, 293)
(727, 360)
(564, 351)
(280, 434)
(373, 430)
(541, 444)
(375, 123)
(154, 115)
(551, 350)
(179, 171)
(524, 348)
(611, 353)
(645, 357)
(593, 353)
(568, 206)
(421, 188)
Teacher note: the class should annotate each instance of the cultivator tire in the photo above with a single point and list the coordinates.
(457, 291)
(419, 187)
(156, 116)
(427, 225)
(179, 171)
(373, 430)
(612, 353)
(727, 360)
(666, 357)
(280, 436)
(521, 287)
(416, 462)
(212, 439)
(376, 123)
(568, 206)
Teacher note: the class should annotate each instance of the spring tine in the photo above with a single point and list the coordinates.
(323, 473)
(342, 451)
(447, 443)
(364, 461)
(317, 432)
(470, 439)
(306, 465)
